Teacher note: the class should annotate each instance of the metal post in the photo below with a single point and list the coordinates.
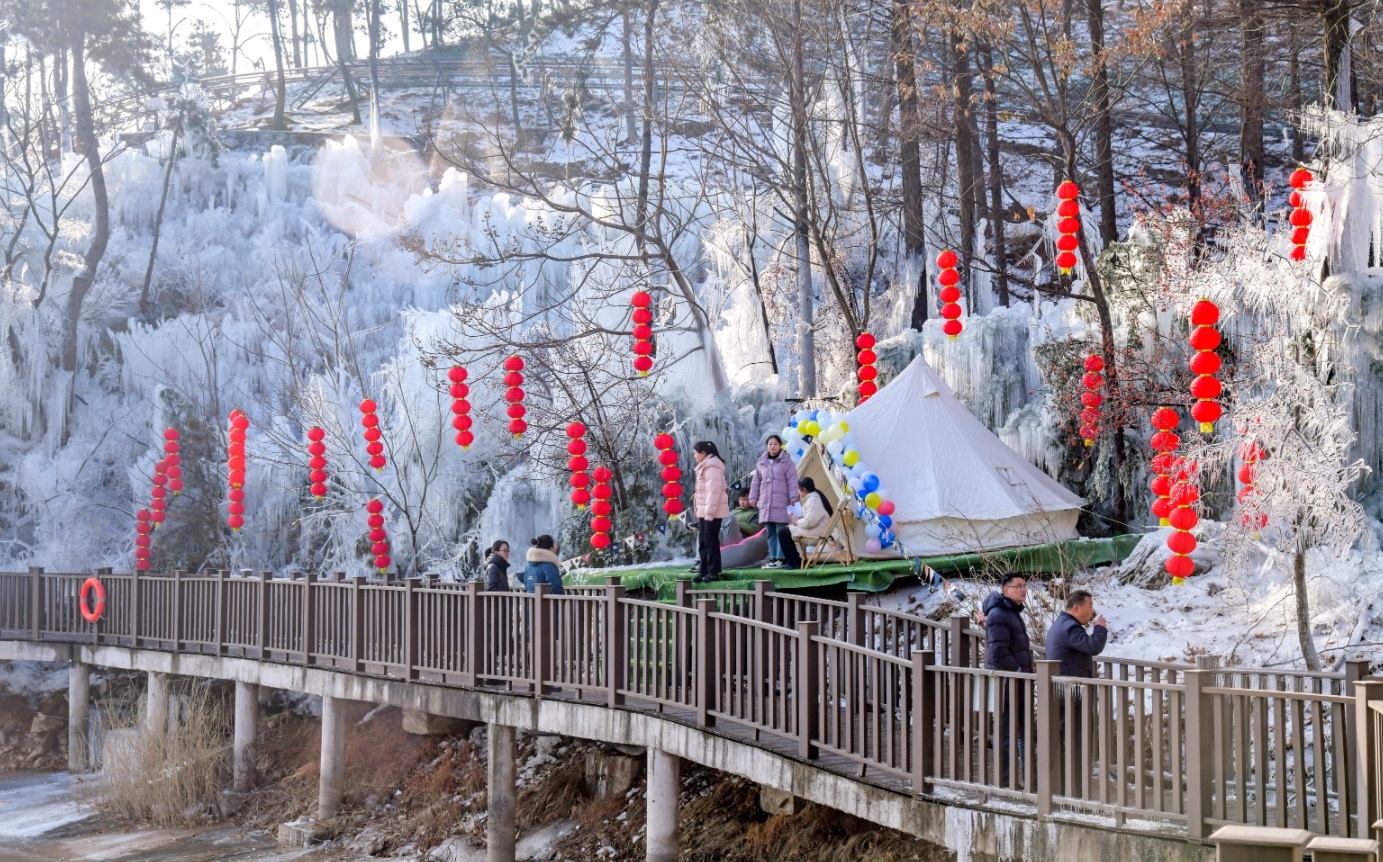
(177, 609)
(263, 614)
(923, 719)
(35, 603)
(806, 688)
(357, 624)
(308, 627)
(706, 666)
(616, 640)
(410, 628)
(136, 612)
(474, 638)
(541, 640)
(221, 611)
(1048, 745)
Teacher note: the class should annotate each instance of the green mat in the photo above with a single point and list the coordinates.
(876, 576)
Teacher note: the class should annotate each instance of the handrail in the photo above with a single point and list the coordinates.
(1176, 748)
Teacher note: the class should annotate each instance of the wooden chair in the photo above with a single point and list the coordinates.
(834, 546)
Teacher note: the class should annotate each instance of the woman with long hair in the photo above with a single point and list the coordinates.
(816, 511)
(712, 505)
(771, 492)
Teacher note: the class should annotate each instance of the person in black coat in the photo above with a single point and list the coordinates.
(1005, 633)
(1007, 648)
(1069, 643)
(497, 568)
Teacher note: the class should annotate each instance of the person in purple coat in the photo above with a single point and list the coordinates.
(773, 489)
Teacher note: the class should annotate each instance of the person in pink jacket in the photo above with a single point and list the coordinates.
(773, 489)
(712, 505)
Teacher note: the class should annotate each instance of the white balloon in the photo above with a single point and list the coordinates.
(872, 530)
(834, 447)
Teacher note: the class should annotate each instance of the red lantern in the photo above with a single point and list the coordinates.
(667, 456)
(1183, 520)
(235, 471)
(374, 448)
(1093, 381)
(642, 332)
(866, 371)
(579, 480)
(600, 524)
(379, 538)
(143, 525)
(514, 394)
(1204, 339)
(1164, 442)
(1251, 453)
(317, 448)
(1301, 216)
(949, 296)
(1068, 243)
(170, 446)
(460, 407)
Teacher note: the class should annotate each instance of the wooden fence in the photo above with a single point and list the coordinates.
(881, 695)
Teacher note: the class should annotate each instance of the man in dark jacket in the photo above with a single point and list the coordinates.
(1005, 633)
(1069, 643)
(497, 568)
(1007, 649)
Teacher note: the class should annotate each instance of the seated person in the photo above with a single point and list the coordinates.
(816, 512)
(745, 516)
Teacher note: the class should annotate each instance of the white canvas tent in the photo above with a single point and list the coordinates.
(955, 485)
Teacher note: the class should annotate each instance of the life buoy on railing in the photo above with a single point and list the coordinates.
(92, 612)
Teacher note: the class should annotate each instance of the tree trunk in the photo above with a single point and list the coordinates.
(281, 86)
(514, 91)
(631, 130)
(650, 82)
(403, 23)
(158, 224)
(999, 242)
(373, 27)
(1308, 643)
(60, 84)
(965, 158)
(910, 153)
(1190, 98)
(100, 235)
(345, 51)
(1254, 106)
(293, 31)
(1336, 36)
(806, 301)
(1104, 125)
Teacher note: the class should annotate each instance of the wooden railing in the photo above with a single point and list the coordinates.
(880, 695)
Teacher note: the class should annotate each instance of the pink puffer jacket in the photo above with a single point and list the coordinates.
(712, 494)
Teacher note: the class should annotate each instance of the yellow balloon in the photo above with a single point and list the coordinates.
(872, 499)
(851, 457)
(811, 429)
(843, 426)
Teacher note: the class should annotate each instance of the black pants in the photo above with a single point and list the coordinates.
(791, 559)
(708, 548)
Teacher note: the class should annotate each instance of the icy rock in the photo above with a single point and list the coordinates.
(540, 844)
(457, 850)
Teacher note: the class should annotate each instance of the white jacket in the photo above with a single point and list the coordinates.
(814, 520)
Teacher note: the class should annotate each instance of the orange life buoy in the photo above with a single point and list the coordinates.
(92, 613)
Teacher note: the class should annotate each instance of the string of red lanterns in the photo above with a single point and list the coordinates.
(142, 527)
(1068, 226)
(672, 490)
(867, 373)
(460, 407)
(1301, 216)
(600, 524)
(514, 395)
(374, 443)
(1205, 388)
(643, 333)
(1164, 463)
(949, 294)
(379, 539)
(317, 448)
(172, 460)
(159, 505)
(1183, 520)
(1091, 399)
(235, 470)
(577, 464)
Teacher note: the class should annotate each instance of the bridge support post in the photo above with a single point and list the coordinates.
(156, 702)
(331, 787)
(78, 716)
(664, 784)
(246, 727)
(502, 792)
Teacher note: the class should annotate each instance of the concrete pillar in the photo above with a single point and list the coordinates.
(156, 702)
(78, 716)
(664, 784)
(332, 786)
(502, 792)
(246, 725)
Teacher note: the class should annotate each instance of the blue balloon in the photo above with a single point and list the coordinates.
(861, 494)
(792, 423)
(871, 483)
(886, 538)
(885, 521)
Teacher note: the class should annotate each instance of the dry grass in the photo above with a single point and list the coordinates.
(558, 794)
(287, 764)
(166, 778)
(438, 797)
